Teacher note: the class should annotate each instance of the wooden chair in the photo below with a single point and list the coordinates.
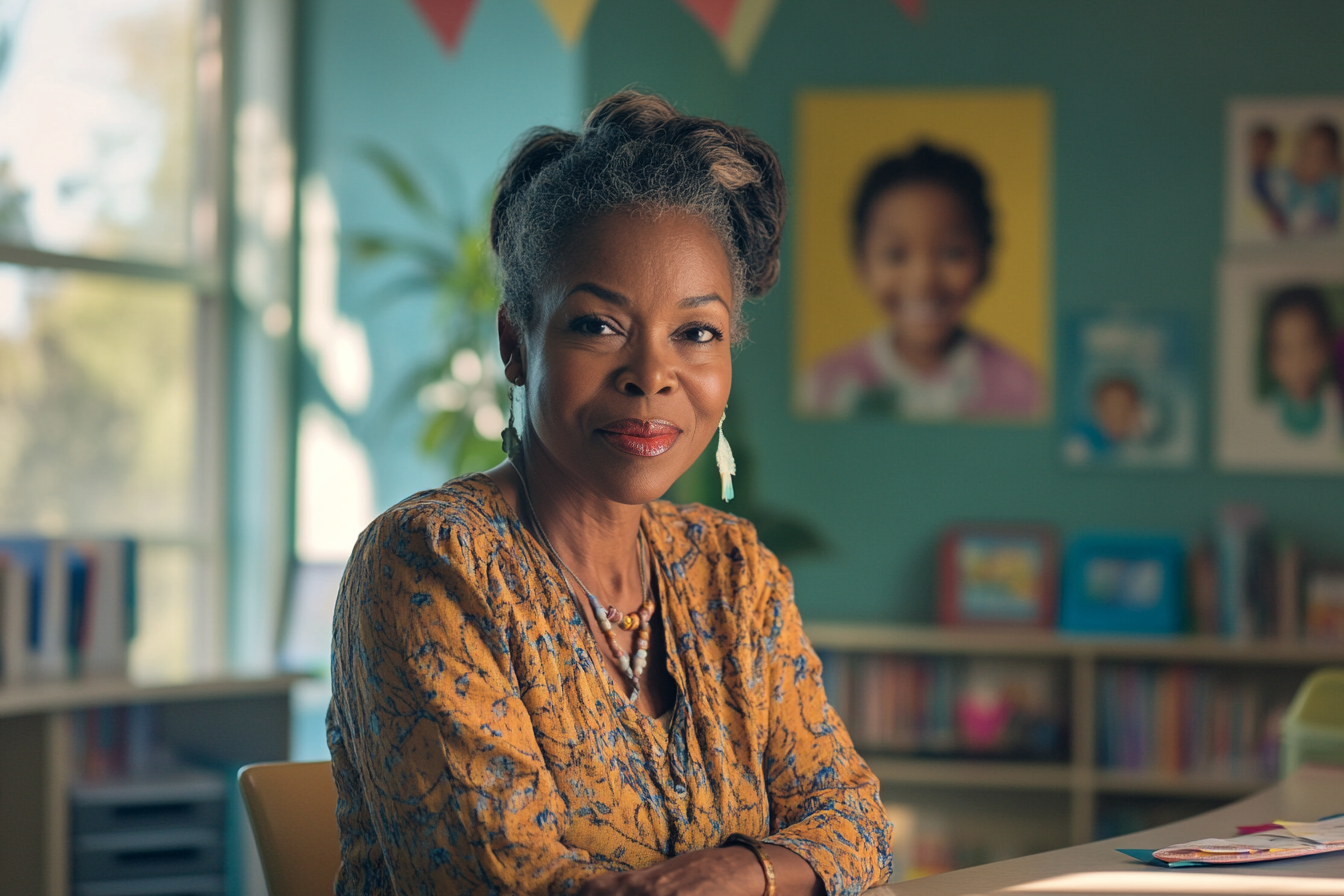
(292, 808)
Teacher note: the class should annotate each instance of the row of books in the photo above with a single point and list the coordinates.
(67, 608)
(112, 742)
(1249, 582)
(1177, 720)
(949, 706)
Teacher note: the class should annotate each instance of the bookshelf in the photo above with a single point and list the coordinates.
(229, 721)
(1079, 779)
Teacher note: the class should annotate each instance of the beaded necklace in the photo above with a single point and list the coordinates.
(611, 618)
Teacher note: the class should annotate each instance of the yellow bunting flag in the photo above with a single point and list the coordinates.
(569, 17)
(745, 32)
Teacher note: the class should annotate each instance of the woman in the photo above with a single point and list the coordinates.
(546, 680)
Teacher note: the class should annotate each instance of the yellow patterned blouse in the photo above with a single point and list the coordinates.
(479, 746)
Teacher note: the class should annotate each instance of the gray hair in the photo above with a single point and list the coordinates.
(637, 153)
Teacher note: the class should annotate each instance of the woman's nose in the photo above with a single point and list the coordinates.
(649, 372)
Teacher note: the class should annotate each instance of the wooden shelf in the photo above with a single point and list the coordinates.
(881, 638)
(61, 696)
(1079, 658)
(974, 773)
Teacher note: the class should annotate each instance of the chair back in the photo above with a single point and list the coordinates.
(292, 808)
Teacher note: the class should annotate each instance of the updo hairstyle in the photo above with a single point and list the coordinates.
(637, 153)
(927, 163)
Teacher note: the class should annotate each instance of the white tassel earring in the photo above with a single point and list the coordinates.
(727, 465)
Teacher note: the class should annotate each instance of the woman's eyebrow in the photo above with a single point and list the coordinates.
(620, 299)
(606, 295)
(698, 301)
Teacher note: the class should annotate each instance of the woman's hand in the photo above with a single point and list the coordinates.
(727, 871)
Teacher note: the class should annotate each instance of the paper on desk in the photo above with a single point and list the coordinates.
(1297, 838)
(1330, 830)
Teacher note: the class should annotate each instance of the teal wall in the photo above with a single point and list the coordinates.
(373, 73)
(1139, 88)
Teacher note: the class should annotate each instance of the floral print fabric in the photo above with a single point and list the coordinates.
(479, 746)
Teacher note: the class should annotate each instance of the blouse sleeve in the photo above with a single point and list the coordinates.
(456, 789)
(824, 802)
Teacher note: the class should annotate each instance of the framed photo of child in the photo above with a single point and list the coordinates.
(1280, 348)
(1285, 171)
(923, 278)
(1127, 396)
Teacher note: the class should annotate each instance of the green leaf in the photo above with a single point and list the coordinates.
(400, 179)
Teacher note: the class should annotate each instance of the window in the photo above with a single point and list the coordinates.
(110, 319)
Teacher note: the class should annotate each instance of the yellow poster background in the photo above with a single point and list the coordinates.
(840, 135)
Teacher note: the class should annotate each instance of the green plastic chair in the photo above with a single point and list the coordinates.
(1313, 728)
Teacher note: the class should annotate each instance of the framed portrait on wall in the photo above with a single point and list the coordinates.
(1126, 396)
(1280, 348)
(923, 278)
(1285, 171)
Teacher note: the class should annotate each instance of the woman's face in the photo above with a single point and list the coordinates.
(628, 364)
(1298, 357)
(922, 261)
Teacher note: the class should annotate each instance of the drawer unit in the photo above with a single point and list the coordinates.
(161, 834)
(201, 885)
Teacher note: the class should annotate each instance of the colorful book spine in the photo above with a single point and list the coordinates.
(1176, 720)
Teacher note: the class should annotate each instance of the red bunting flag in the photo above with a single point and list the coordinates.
(715, 15)
(448, 19)
(913, 9)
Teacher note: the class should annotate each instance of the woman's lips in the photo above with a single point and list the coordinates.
(642, 438)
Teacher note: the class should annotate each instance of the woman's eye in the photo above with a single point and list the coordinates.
(702, 333)
(895, 256)
(592, 326)
(956, 253)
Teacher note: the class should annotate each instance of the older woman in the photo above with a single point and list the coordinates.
(545, 679)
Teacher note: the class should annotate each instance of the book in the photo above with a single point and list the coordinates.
(14, 601)
(1237, 524)
(52, 659)
(1288, 591)
(103, 635)
(25, 586)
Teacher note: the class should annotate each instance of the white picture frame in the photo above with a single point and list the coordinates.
(1259, 427)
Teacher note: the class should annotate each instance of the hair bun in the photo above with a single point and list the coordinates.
(635, 114)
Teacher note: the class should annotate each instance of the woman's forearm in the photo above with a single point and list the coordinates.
(793, 875)
(724, 871)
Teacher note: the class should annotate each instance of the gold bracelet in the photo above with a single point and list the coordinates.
(757, 847)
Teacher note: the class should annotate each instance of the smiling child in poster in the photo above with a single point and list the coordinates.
(923, 235)
(923, 285)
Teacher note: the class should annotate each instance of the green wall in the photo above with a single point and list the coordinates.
(1139, 88)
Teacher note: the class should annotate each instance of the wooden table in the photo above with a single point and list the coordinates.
(1096, 868)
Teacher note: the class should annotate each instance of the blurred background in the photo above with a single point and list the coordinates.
(245, 306)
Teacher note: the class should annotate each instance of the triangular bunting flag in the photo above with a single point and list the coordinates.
(569, 17)
(715, 15)
(745, 34)
(913, 9)
(448, 19)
